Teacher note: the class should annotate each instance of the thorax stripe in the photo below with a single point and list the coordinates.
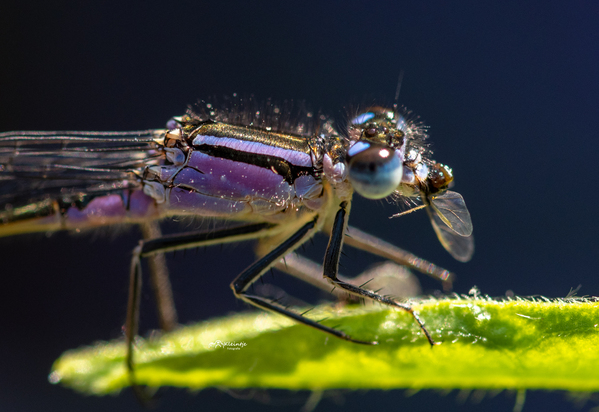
(294, 157)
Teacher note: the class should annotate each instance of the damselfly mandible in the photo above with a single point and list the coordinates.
(273, 173)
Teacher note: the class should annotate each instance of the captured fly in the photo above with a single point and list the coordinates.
(447, 211)
(276, 174)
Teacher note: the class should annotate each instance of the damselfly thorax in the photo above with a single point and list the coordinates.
(271, 177)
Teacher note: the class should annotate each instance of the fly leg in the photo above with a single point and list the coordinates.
(361, 240)
(241, 284)
(331, 265)
(148, 248)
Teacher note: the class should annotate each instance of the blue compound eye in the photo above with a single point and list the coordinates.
(375, 172)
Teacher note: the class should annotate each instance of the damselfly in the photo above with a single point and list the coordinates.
(272, 173)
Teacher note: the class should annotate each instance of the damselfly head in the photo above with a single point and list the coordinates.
(376, 153)
(380, 125)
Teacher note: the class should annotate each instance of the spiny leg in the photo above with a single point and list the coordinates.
(331, 265)
(159, 279)
(372, 244)
(306, 270)
(166, 244)
(254, 271)
(395, 280)
(311, 272)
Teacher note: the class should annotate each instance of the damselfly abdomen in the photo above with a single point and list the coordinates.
(270, 175)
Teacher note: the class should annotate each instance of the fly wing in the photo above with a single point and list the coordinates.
(451, 220)
(38, 166)
(458, 246)
(451, 209)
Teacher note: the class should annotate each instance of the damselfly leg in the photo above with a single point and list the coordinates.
(159, 279)
(241, 284)
(372, 244)
(386, 278)
(331, 265)
(274, 258)
(158, 246)
(152, 247)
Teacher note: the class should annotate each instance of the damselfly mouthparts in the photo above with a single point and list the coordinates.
(270, 175)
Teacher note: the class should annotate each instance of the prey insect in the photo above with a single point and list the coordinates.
(267, 173)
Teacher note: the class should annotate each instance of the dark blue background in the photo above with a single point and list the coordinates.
(510, 90)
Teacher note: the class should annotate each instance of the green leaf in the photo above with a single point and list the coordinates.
(485, 344)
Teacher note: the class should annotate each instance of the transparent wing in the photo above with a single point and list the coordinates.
(451, 209)
(37, 166)
(458, 246)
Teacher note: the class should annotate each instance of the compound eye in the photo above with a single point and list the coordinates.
(375, 172)
(440, 176)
